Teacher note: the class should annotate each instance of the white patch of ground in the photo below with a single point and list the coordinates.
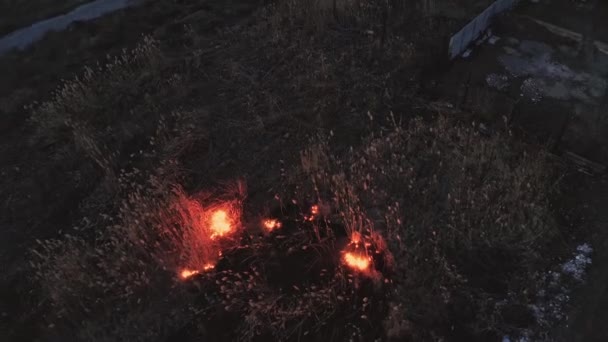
(545, 76)
(497, 81)
(552, 300)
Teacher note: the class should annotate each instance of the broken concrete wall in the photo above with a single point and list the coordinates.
(461, 40)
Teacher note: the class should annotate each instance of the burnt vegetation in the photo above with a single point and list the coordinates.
(301, 104)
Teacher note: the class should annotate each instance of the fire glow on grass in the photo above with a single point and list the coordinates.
(186, 273)
(357, 262)
(221, 224)
(355, 255)
(314, 212)
(205, 226)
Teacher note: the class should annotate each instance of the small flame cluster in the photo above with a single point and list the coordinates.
(314, 212)
(356, 256)
(187, 273)
(205, 230)
(271, 224)
(221, 222)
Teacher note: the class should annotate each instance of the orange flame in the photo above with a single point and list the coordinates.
(357, 262)
(355, 238)
(314, 211)
(271, 224)
(186, 273)
(220, 223)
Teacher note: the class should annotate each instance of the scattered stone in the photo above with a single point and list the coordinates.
(552, 300)
(532, 89)
(576, 267)
(497, 81)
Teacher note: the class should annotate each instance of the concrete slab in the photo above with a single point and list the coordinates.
(539, 81)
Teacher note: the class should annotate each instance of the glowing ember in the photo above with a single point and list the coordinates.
(314, 210)
(271, 224)
(355, 238)
(186, 273)
(220, 223)
(357, 262)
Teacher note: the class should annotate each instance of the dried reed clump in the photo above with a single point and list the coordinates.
(99, 258)
(447, 181)
(115, 264)
(455, 186)
(330, 181)
(84, 98)
(440, 193)
(100, 113)
(265, 312)
(316, 15)
(283, 318)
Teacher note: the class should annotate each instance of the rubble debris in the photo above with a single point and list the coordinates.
(497, 81)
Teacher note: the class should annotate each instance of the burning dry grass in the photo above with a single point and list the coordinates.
(104, 268)
(205, 226)
(396, 220)
(390, 226)
(286, 284)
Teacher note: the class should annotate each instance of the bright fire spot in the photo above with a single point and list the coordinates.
(208, 267)
(357, 262)
(271, 224)
(220, 223)
(314, 211)
(355, 238)
(186, 273)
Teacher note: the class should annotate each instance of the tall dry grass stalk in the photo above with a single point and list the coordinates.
(80, 99)
(439, 192)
